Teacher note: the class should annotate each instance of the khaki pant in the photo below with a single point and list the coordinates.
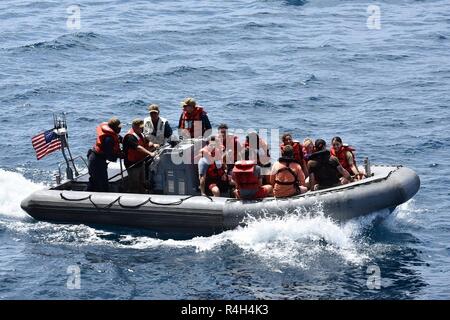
(136, 179)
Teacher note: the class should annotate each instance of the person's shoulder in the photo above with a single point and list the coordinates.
(312, 163)
(276, 165)
(129, 138)
(296, 165)
(334, 159)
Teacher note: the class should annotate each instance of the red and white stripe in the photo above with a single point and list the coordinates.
(43, 148)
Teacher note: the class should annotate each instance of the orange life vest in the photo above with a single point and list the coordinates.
(298, 151)
(134, 155)
(244, 175)
(342, 157)
(103, 131)
(187, 120)
(287, 168)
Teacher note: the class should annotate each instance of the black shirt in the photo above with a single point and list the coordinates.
(324, 167)
(129, 142)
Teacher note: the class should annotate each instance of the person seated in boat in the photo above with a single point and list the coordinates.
(247, 178)
(346, 157)
(324, 169)
(287, 176)
(194, 121)
(308, 149)
(136, 149)
(212, 170)
(157, 129)
(106, 148)
(256, 149)
(298, 150)
(231, 145)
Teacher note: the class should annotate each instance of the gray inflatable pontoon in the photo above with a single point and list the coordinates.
(199, 215)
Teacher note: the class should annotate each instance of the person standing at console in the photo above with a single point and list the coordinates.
(194, 121)
(106, 148)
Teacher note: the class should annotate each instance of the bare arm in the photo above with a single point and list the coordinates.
(344, 173)
(304, 168)
(352, 163)
(145, 151)
(272, 174)
(301, 177)
(312, 181)
(202, 184)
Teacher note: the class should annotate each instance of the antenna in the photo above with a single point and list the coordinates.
(60, 125)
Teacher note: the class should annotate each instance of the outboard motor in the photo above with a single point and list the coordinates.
(174, 171)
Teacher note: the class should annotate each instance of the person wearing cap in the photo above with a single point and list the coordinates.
(325, 171)
(156, 129)
(194, 121)
(136, 149)
(106, 148)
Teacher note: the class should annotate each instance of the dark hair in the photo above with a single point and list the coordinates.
(288, 152)
(285, 135)
(338, 139)
(222, 126)
(320, 144)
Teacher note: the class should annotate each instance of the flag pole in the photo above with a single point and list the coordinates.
(66, 143)
(61, 124)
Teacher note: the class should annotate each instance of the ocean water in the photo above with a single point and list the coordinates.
(317, 68)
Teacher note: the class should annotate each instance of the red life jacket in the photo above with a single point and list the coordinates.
(298, 151)
(244, 175)
(214, 174)
(134, 155)
(103, 131)
(187, 120)
(342, 157)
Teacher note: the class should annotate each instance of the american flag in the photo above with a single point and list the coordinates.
(45, 143)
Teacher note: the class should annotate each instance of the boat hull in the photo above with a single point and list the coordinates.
(199, 215)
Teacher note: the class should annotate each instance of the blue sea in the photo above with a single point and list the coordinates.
(376, 74)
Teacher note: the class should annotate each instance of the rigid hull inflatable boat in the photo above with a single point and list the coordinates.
(176, 207)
